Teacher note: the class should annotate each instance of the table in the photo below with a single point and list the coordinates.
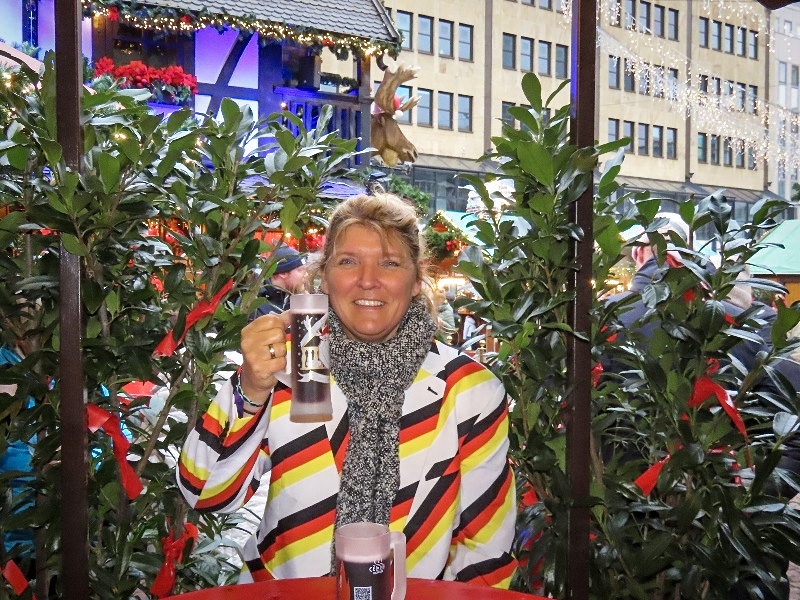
(323, 588)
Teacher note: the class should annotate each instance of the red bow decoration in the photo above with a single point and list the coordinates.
(173, 550)
(204, 308)
(16, 578)
(647, 480)
(99, 418)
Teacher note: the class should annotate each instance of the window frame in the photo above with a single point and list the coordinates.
(468, 113)
(445, 42)
(420, 35)
(408, 42)
(462, 28)
(448, 110)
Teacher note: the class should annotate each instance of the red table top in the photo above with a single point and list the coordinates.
(323, 588)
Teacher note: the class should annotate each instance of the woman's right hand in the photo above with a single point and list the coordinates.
(263, 354)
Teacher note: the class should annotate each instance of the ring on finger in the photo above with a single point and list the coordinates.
(272, 351)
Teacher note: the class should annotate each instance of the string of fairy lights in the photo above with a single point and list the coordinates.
(172, 20)
(766, 130)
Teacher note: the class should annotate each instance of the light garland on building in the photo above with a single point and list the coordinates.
(766, 132)
(183, 21)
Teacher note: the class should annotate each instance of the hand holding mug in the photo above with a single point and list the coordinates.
(263, 348)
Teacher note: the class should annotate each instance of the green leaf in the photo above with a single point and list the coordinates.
(532, 88)
(108, 167)
(537, 161)
(72, 245)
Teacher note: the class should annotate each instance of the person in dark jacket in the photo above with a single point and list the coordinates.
(289, 278)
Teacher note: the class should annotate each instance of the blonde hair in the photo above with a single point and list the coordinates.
(386, 214)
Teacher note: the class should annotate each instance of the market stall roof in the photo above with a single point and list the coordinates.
(308, 23)
(781, 258)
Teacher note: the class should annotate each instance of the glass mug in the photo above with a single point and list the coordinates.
(370, 562)
(310, 373)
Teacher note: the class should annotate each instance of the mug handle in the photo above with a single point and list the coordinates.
(398, 545)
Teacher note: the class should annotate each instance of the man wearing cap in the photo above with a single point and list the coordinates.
(289, 278)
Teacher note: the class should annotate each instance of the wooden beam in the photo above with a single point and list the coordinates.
(74, 463)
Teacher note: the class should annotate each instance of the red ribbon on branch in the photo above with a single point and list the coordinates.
(16, 578)
(647, 480)
(205, 308)
(173, 550)
(99, 418)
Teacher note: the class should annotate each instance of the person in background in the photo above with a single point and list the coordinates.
(289, 278)
(447, 319)
(419, 435)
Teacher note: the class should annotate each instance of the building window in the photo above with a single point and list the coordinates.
(783, 70)
(702, 147)
(644, 81)
(644, 16)
(658, 20)
(739, 155)
(627, 132)
(751, 159)
(657, 77)
(613, 130)
(795, 86)
(713, 154)
(444, 113)
(716, 35)
(613, 72)
(672, 84)
(727, 153)
(741, 96)
(509, 51)
(752, 44)
(464, 113)
(402, 94)
(546, 4)
(672, 24)
(464, 42)
(628, 78)
(544, 58)
(672, 142)
(630, 14)
(403, 25)
(703, 32)
(525, 54)
(728, 42)
(741, 37)
(658, 141)
(424, 114)
(446, 38)
(703, 83)
(614, 12)
(425, 34)
(562, 61)
(505, 114)
(643, 139)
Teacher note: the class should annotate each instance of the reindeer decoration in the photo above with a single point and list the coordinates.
(390, 142)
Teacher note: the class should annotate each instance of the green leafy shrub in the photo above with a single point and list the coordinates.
(706, 524)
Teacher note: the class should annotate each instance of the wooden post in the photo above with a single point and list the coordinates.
(579, 425)
(74, 464)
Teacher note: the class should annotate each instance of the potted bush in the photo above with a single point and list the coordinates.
(158, 316)
(672, 514)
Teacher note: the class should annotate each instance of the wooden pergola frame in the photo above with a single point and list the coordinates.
(74, 536)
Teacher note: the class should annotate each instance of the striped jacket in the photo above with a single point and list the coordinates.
(456, 500)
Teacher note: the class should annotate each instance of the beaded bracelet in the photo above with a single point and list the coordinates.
(237, 386)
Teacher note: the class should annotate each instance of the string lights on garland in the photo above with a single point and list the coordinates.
(174, 20)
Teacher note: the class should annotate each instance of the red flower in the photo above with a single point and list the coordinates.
(113, 13)
(187, 20)
(103, 66)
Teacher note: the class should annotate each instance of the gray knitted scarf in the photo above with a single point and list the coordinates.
(374, 378)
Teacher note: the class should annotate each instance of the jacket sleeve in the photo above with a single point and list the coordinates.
(224, 456)
(487, 506)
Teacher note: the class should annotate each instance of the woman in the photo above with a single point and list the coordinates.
(418, 438)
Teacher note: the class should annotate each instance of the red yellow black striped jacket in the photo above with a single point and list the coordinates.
(456, 500)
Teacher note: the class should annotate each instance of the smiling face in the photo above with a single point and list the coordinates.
(370, 282)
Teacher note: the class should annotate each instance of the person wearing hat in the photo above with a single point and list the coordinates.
(289, 278)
